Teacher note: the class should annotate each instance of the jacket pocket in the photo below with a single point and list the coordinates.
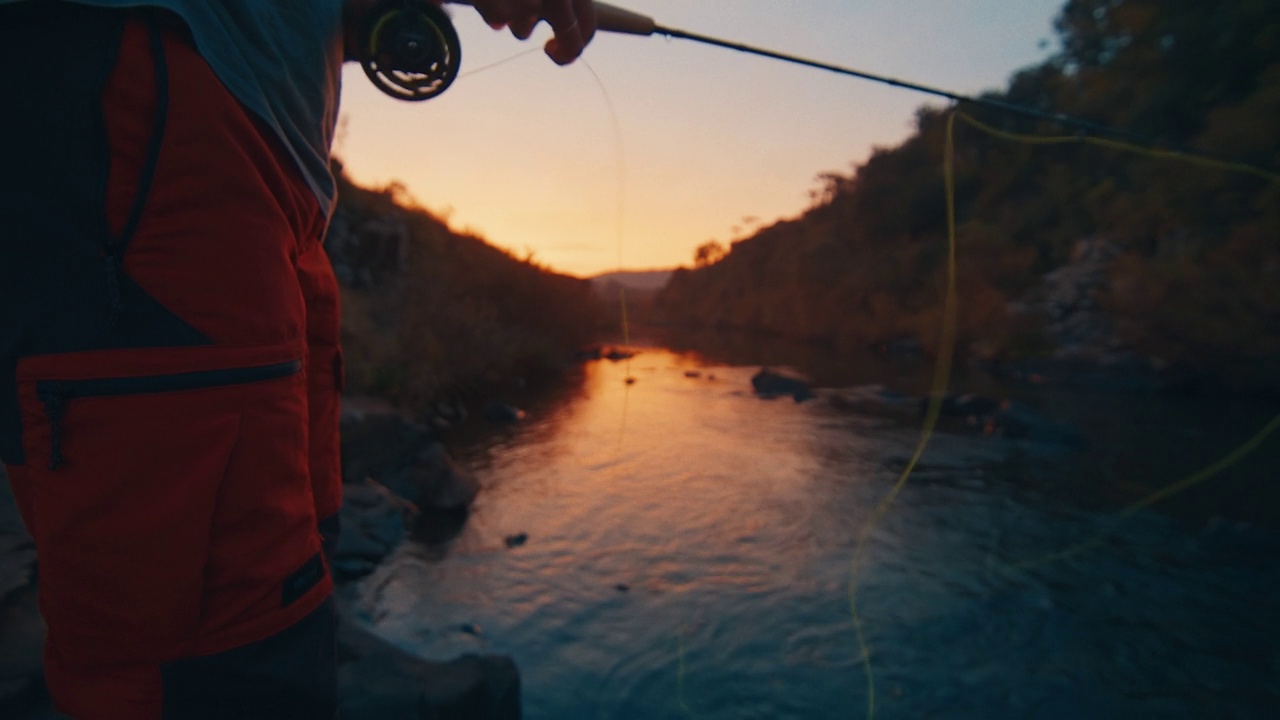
(163, 482)
(56, 395)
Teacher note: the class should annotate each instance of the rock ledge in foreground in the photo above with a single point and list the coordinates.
(377, 680)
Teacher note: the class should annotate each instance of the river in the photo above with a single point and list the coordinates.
(676, 547)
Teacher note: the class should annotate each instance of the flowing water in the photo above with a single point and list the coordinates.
(689, 548)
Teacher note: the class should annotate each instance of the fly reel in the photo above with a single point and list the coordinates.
(410, 50)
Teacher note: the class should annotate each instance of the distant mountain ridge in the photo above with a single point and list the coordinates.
(649, 281)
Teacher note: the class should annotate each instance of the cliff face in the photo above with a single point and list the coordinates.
(429, 314)
(1071, 252)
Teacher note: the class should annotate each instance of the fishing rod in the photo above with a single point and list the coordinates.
(410, 51)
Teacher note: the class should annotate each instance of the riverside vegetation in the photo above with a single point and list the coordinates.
(1181, 264)
(432, 315)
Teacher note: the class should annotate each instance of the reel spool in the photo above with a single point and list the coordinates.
(410, 50)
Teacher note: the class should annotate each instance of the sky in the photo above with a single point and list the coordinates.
(648, 147)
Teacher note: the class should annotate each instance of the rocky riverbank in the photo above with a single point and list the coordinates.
(396, 475)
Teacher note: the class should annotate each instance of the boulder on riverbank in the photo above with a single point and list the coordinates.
(405, 457)
(22, 633)
(374, 523)
(378, 681)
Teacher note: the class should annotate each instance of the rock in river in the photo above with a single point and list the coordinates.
(769, 383)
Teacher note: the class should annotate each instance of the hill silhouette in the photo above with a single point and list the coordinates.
(1065, 253)
(430, 314)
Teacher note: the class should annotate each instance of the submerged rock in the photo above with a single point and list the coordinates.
(1018, 421)
(769, 383)
(498, 412)
(1003, 418)
(873, 399)
(902, 347)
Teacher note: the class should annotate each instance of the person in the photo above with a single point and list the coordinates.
(169, 362)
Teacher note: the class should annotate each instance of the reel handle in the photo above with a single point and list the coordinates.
(611, 18)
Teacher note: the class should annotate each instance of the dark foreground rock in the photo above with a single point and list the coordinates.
(378, 681)
(21, 628)
(386, 447)
(397, 474)
(374, 522)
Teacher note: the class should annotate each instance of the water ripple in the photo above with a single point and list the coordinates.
(699, 561)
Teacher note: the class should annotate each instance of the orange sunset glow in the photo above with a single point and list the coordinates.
(685, 143)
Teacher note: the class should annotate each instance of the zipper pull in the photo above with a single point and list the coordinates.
(55, 396)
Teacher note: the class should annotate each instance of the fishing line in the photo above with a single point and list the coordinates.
(419, 84)
(619, 152)
(410, 50)
(1226, 461)
(498, 63)
(1197, 159)
(1116, 139)
(1186, 483)
(630, 23)
(941, 380)
(946, 353)
(640, 25)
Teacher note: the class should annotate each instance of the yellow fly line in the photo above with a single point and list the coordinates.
(946, 352)
(1190, 159)
(1228, 460)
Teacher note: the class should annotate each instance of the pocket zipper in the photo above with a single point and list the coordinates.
(57, 394)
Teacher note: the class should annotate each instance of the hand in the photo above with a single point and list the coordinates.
(573, 21)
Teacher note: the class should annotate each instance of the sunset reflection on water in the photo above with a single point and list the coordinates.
(689, 545)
